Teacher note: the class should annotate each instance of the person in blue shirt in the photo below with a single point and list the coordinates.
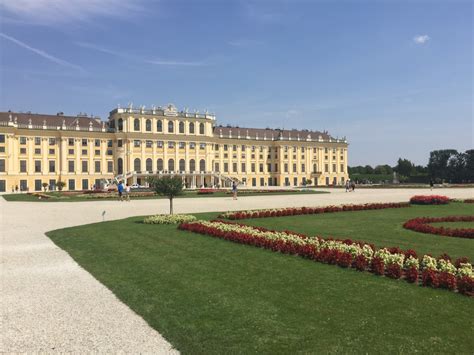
(234, 190)
(120, 190)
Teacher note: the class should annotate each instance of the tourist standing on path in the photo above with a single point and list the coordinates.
(353, 186)
(127, 192)
(431, 184)
(234, 190)
(120, 191)
(348, 185)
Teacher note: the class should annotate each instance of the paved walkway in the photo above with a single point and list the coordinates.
(49, 303)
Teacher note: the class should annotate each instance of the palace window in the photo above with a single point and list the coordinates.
(243, 167)
(252, 167)
(22, 140)
(70, 141)
(326, 150)
(52, 141)
(170, 127)
(191, 128)
(226, 167)
(326, 168)
(120, 124)
(234, 148)
(303, 168)
(202, 146)
(159, 164)
(22, 166)
(192, 145)
(149, 165)
(137, 164)
(70, 165)
(85, 166)
(110, 166)
(202, 165)
(170, 144)
(109, 143)
(294, 168)
(286, 167)
(334, 168)
(149, 144)
(136, 124)
(181, 127)
(84, 152)
(37, 140)
(260, 168)
(171, 165)
(192, 165)
(97, 166)
(159, 126)
(181, 145)
(2, 138)
(148, 125)
(2, 165)
(201, 128)
(136, 143)
(37, 166)
(84, 143)
(51, 151)
(38, 151)
(97, 142)
(234, 167)
(342, 168)
(70, 151)
(182, 165)
(120, 143)
(225, 147)
(159, 144)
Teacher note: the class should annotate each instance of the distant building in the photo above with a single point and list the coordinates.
(135, 143)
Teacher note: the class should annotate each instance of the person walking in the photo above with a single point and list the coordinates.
(127, 192)
(348, 185)
(120, 191)
(431, 184)
(234, 190)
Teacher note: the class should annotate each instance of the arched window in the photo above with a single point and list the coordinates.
(170, 127)
(202, 165)
(181, 127)
(159, 126)
(182, 166)
(191, 128)
(148, 125)
(170, 165)
(201, 128)
(137, 164)
(159, 165)
(136, 124)
(120, 166)
(120, 124)
(315, 168)
(192, 165)
(149, 165)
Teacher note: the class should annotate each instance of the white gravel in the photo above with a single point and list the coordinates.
(50, 304)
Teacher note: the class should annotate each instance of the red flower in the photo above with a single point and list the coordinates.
(394, 271)
(429, 278)
(447, 280)
(411, 275)
(465, 285)
(378, 266)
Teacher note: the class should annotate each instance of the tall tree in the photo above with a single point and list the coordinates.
(438, 163)
(404, 167)
(167, 186)
(469, 167)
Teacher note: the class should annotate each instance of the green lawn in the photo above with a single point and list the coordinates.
(210, 296)
(59, 197)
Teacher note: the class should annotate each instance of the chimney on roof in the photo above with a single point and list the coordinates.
(60, 113)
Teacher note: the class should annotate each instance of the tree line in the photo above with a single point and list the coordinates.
(446, 165)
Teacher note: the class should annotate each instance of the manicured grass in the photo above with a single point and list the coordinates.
(210, 296)
(59, 197)
(384, 228)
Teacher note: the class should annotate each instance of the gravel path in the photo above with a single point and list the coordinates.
(49, 303)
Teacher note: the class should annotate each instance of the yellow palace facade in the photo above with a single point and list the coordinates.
(39, 150)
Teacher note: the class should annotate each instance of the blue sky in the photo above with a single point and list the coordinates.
(394, 77)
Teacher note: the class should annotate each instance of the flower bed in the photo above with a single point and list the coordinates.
(422, 225)
(469, 200)
(391, 262)
(294, 211)
(169, 219)
(429, 200)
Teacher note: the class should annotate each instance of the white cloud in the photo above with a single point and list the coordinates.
(136, 58)
(421, 39)
(175, 63)
(52, 12)
(42, 53)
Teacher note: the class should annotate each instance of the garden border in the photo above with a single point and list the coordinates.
(421, 224)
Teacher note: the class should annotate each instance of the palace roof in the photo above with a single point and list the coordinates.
(58, 120)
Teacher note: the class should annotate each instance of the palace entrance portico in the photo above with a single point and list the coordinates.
(191, 180)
